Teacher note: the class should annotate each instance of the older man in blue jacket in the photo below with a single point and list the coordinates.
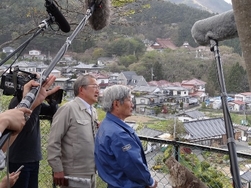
(119, 155)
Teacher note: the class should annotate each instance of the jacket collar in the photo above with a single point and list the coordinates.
(119, 122)
(80, 103)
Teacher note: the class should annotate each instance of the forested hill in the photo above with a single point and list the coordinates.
(161, 20)
(122, 40)
(213, 6)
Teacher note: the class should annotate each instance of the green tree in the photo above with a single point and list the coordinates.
(212, 87)
(176, 126)
(2, 55)
(236, 81)
(98, 52)
(123, 47)
(157, 71)
(127, 60)
(114, 67)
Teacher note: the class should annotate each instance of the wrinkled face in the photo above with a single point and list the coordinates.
(90, 92)
(123, 110)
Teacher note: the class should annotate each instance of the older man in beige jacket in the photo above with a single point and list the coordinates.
(71, 140)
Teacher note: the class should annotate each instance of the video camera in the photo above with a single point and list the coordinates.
(56, 97)
(13, 82)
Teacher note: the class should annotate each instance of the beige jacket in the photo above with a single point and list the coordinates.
(71, 140)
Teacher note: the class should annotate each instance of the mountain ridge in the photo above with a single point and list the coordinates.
(212, 6)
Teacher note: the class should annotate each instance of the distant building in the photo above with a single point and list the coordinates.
(35, 55)
(206, 132)
(191, 116)
(245, 97)
(161, 44)
(8, 50)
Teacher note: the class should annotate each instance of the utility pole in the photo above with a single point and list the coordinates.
(174, 128)
(152, 75)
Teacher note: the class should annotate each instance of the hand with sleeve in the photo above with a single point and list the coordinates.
(44, 90)
(58, 179)
(13, 119)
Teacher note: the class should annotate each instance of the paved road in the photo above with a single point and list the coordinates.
(241, 146)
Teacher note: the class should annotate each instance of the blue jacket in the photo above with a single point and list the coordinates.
(119, 155)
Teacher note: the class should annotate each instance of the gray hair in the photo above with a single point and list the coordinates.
(112, 93)
(82, 80)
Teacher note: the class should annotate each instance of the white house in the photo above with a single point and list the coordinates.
(8, 50)
(56, 73)
(245, 97)
(35, 54)
(177, 91)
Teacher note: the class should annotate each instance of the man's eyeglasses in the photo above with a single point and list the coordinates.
(95, 86)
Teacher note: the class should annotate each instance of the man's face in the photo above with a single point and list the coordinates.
(90, 92)
(125, 109)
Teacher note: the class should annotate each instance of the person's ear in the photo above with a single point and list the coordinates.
(115, 103)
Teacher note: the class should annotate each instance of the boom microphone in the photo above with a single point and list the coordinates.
(219, 27)
(101, 13)
(59, 18)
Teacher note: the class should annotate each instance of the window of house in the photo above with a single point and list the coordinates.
(142, 101)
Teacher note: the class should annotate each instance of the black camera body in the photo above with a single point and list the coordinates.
(13, 82)
(56, 97)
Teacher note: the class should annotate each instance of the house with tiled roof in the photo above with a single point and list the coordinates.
(194, 84)
(163, 44)
(86, 68)
(137, 81)
(102, 80)
(160, 83)
(196, 88)
(246, 178)
(243, 129)
(206, 131)
(192, 115)
(149, 133)
(245, 97)
(145, 104)
(131, 78)
(236, 105)
(125, 77)
(113, 79)
(145, 89)
(176, 91)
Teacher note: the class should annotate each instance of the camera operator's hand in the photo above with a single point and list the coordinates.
(44, 90)
(13, 119)
(12, 180)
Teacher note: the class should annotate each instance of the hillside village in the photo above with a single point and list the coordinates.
(158, 98)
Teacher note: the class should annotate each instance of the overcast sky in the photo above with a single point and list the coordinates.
(228, 1)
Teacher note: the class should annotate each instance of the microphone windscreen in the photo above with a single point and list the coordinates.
(101, 13)
(219, 27)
